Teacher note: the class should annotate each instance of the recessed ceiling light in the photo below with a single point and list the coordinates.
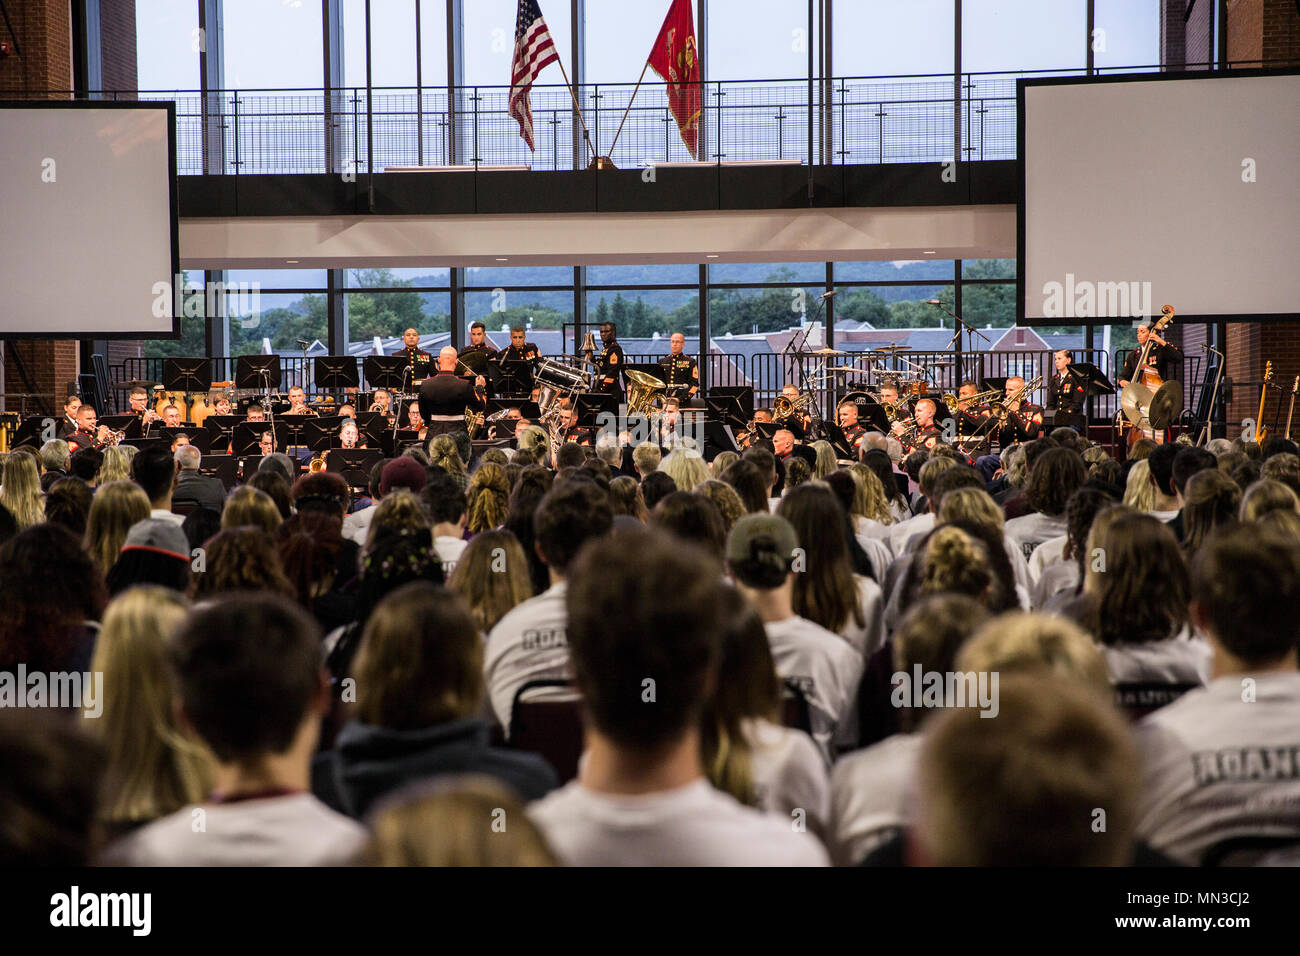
(503, 258)
(292, 262)
(928, 252)
(710, 257)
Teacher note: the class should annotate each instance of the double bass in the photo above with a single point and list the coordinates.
(1136, 397)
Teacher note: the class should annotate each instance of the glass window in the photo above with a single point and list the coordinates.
(757, 40)
(167, 45)
(619, 37)
(988, 268)
(988, 306)
(389, 314)
(893, 306)
(887, 38)
(896, 271)
(1017, 35)
(746, 311)
(272, 279)
(1126, 34)
(272, 46)
(486, 277)
(420, 277)
(499, 309)
(283, 318)
(735, 272)
(489, 42)
(646, 317)
(642, 275)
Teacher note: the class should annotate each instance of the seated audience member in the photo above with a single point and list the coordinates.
(1134, 603)
(240, 559)
(116, 465)
(1055, 476)
(200, 525)
(1218, 762)
(747, 752)
(51, 773)
(404, 474)
(155, 551)
(85, 464)
(191, 485)
(56, 462)
(1284, 467)
(642, 797)
(724, 498)
(357, 522)
(249, 507)
(154, 470)
(531, 486)
(450, 822)
(655, 487)
(311, 547)
(155, 765)
(250, 683)
(914, 528)
(1266, 495)
(1139, 492)
(871, 788)
(827, 591)
(760, 557)
(1024, 789)
(530, 642)
(20, 490)
(419, 678)
(1188, 462)
(746, 478)
(114, 510)
(487, 499)
(1211, 500)
(444, 500)
(694, 518)
(625, 498)
(492, 578)
(67, 503)
(274, 483)
(1161, 462)
(892, 483)
(53, 596)
(1059, 581)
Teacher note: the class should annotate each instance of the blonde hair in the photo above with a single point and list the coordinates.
(869, 497)
(1267, 495)
(114, 508)
(491, 596)
(953, 561)
(686, 468)
(725, 498)
(444, 454)
(973, 505)
(21, 493)
(155, 766)
(249, 506)
(647, 456)
(450, 822)
(534, 436)
(487, 500)
(720, 463)
(826, 461)
(116, 465)
(1139, 491)
(399, 510)
(1018, 642)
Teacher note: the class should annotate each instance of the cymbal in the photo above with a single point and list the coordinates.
(892, 348)
(1166, 405)
(134, 383)
(1131, 397)
(825, 350)
(849, 368)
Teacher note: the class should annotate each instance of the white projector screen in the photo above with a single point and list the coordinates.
(1139, 191)
(88, 219)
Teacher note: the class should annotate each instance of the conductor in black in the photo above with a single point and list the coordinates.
(610, 362)
(444, 397)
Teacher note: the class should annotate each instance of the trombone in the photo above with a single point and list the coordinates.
(998, 409)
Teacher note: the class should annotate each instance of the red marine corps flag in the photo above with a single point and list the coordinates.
(534, 50)
(674, 58)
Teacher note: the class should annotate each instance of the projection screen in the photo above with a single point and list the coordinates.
(1141, 190)
(88, 219)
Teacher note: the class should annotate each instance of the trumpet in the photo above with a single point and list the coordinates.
(317, 464)
(378, 407)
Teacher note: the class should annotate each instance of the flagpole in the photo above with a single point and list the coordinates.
(629, 106)
(578, 109)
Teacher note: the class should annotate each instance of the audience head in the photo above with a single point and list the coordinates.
(656, 486)
(68, 503)
(248, 506)
(241, 559)
(1138, 579)
(154, 470)
(1211, 501)
(324, 492)
(492, 577)
(1055, 475)
(691, 517)
(570, 515)
(1267, 495)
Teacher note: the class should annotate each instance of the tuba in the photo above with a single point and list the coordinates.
(642, 391)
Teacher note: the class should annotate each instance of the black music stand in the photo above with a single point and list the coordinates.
(871, 414)
(838, 441)
(259, 372)
(514, 378)
(248, 437)
(743, 395)
(29, 432)
(222, 427)
(337, 372)
(392, 442)
(591, 405)
(373, 425)
(221, 467)
(1090, 378)
(718, 438)
(388, 372)
(319, 434)
(728, 408)
(200, 438)
(191, 374)
(354, 464)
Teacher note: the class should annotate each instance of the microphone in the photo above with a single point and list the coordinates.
(303, 344)
(829, 294)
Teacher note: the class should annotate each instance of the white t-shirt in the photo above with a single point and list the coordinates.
(1029, 531)
(1183, 659)
(692, 825)
(789, 773)
(1060, 577)
(871, 792)
(828, 671)
(356, 526)
(865, 527)
(166, 515)
(293, 830)
(878, 553)
(1164, 516)
(1216, 766)
(530, 643)
(1046, 554)
(866, 640)
(449, 551)
(905, 532)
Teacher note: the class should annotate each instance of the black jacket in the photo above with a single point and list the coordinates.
(447, 394)
(369, 762)
(1162, 357)
(209, 492)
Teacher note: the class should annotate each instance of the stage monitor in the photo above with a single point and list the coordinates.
(1150, 189)
(88, 219)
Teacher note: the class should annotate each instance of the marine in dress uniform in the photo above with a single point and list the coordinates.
(610, 362)
(680, 372)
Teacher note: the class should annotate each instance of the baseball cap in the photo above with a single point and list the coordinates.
(770, 532)
(158, 534)
(404, 472)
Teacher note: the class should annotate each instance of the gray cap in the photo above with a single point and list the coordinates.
(752, 529)
(158, 534)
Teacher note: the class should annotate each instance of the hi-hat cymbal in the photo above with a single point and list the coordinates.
(825, 350)
(892, 348)
(134, 383)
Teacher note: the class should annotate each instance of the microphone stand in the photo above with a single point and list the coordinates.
(1214, 395)
(397, 417)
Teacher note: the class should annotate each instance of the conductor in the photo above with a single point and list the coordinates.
(444, 397)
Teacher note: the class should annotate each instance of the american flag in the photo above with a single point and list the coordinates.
(534, 50)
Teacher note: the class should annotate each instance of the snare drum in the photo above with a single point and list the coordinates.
(554, 379)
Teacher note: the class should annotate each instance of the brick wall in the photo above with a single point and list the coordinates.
(1245, 31)
(117, 45)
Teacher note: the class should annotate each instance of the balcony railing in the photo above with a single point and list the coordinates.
(856, 120)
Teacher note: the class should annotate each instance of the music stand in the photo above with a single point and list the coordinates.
(29, 432)
(336, 371)
(839, 442)
(1090, 378)
(718, 438)
(391, 442)
(200, 438)
(222, 427)
(191, 374)
(388, 372)
(319, 434)
(514, 378)
(353, 464)
(871, 414)
(591, 405)
(259, 372)
(743, 394)
(247, 438)
(221, 467)
(728, 408)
